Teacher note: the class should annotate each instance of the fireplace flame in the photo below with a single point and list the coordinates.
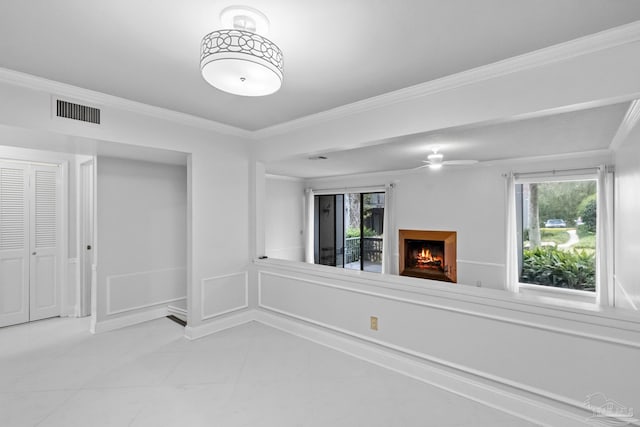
(424, 258)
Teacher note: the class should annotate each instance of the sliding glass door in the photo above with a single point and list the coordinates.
(372, 227)
(348, 230)
(329, 230)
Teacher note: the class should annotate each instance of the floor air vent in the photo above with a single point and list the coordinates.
(73, 111)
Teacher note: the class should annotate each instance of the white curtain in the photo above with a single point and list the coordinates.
(511, 265)
(604, 238)
(308, 225)
(390, 233)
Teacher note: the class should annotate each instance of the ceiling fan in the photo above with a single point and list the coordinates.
(436, 160)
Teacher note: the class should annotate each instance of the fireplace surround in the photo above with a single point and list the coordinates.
(428, 254)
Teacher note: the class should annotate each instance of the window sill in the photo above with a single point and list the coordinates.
(559, 296)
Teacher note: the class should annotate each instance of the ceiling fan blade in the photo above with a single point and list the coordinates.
(421, 167)
(459, 162)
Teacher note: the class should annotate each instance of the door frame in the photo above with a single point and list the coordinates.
(86, 221)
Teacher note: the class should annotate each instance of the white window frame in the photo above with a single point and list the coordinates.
(552, 294)
(344, 194)
(389, 227)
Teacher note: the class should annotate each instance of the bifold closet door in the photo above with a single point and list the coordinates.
(14, 244)
(29, 239)
(43, 276)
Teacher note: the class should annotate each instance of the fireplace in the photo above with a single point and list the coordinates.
(428, 254)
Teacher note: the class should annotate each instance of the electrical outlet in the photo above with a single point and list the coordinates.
(374, 323)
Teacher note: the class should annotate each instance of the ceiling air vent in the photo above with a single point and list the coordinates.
(73, 111)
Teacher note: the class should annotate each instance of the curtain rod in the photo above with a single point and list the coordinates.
(609, 168)
(343, 190)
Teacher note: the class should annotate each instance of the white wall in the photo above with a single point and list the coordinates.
(468, 200)
(218, 170)
(141, 230)
(284, 218)
(561, 354)
(627, 223)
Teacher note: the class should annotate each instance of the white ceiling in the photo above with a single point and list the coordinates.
(578, 131)
(336, 51)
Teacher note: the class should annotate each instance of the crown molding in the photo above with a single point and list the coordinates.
(591, 154)
(606, 39)
(382, 175)
(283, 177)
(629, 121)
(53, 87)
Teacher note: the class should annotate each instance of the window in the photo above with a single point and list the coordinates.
(348, 230)
(556, 226)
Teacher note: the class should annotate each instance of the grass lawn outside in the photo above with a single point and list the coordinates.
(560, 236)
(555, 235)
(587, 240)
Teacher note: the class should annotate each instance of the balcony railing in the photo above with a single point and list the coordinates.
(372, 247)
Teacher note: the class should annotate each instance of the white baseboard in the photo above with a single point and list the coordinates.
(128, 320)
(498, 396)
(220, 324)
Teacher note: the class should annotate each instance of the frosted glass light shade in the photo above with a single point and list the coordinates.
(435, 157)
(241, 62)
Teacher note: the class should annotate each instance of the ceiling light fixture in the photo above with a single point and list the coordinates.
(238, 59)
(435, 159)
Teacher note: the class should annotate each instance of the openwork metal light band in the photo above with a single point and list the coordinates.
(241, 62)
(242, 42)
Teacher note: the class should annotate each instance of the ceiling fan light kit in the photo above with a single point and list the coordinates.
(239, 59)
(436, 160)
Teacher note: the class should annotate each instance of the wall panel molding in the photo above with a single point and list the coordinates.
(485, 264)
(586, 333)
(128, 320)
(219, 324)
(230, 292)
(155, 286)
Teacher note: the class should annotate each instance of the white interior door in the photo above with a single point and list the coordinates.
(29, 242)
(44, 236)
(14, 244)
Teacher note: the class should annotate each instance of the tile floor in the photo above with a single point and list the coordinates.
(55, 373)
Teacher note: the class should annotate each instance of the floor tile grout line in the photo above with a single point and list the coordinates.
(53, 411)
(247, 345)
